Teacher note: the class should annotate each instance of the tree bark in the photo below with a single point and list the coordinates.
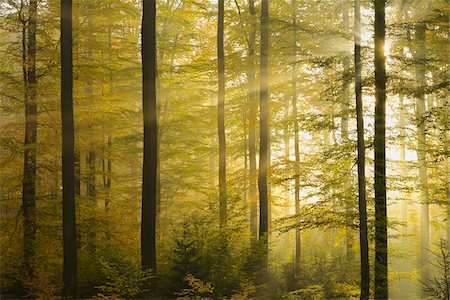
(381, 251)
(221, 117)
(30, 139)
(363, 238)
(253, 108)
(68, 154)
(264, 133)
(149, 173)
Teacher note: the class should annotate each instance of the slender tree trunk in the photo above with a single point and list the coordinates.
(68, 154)
(245, 177)
(344, 133)
(90, 156)
(296, 142)
(212, 145)
(446, 105)
(264, 133)
(30, 139)
(149, 174)
(421, 146)
(107, 167)
(91, 195)
(287, 154)
(381, 251)
(221, 118)
(402, 124)
(253, 108)
(363, 239)
(106, 171)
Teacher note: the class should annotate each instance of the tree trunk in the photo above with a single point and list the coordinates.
(381, 258)
(91, 195)
(221, 118)
(149, 173)
(90, 156)
(287, 154)
(30, 139)
(363, 239)
(403, 172)
(253, 108)
(344, 133)
(446, 105)
(68, 154)
(421, 146)
(296, 143)
(264, 133)
(107, 170)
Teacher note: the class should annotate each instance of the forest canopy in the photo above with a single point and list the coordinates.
(224, 149)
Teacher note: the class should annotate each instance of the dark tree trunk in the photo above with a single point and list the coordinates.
(149, 174)
(30, 138)
(253, 108)
(381, 251)
(363, 239)
(68, 154)
(296, 142)
(264, 132)
(221, 118)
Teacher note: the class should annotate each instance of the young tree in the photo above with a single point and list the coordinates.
(68, 153)
(363, 239)
(29, 168)
(381, 255)
(264, 131)
(221, 118)
(149, 176)
(252, 96)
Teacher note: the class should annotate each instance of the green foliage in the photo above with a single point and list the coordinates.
(313, 292)
(197, 290)
(123, 280)
(438, 287)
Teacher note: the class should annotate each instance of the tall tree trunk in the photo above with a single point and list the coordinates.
(221, 118)
(363, 239)
(287, 154)
(421, 143)
(296, 142)
(446, 104)
(264, 133)
(253, 108)
(90, 156)
(30, 139)
(68, 154)
(149, 173)
(107, 167)
(381, 251)
(344, 133)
